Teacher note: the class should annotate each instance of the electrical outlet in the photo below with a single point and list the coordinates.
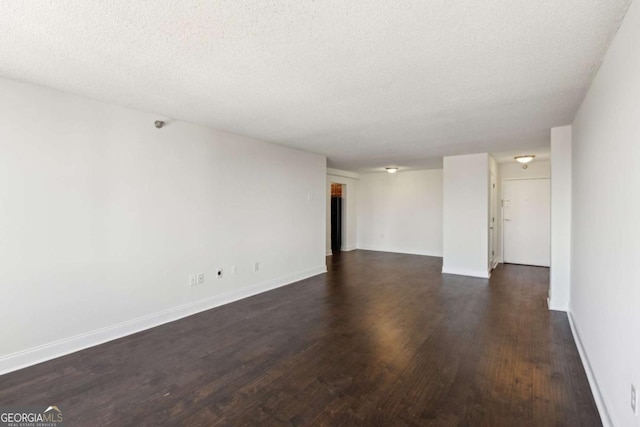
(219, 273)
(193, 279)
(256, 266)
(634, 400)
(234, 269)
(200, 278)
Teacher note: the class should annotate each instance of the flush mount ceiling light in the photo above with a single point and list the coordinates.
(524, 159)
(392, 170)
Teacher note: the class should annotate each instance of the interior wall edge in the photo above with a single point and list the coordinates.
(344, 174)
(471, 273)
(557, 306)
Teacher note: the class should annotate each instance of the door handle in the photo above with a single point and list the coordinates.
(507, 219)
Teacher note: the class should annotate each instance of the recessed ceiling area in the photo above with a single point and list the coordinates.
(367, 84)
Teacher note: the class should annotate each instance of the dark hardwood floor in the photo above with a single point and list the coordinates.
(382, 339)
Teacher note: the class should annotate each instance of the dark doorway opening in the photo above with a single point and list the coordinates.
(336, 217)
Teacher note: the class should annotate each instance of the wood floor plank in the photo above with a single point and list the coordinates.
(382, 339)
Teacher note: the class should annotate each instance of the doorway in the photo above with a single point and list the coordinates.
(527, 221)
(337, 216)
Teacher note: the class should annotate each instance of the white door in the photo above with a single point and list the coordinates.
(527, 221)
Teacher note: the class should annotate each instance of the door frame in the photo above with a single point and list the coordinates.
(343, 235)
(493, 224)
(502, 207)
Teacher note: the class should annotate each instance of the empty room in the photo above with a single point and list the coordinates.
(308, 213)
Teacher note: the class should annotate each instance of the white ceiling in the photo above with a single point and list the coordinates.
(367, 83)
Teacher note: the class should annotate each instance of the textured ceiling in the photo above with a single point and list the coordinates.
(367, 83)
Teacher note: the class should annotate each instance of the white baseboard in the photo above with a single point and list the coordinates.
(462, 272)
(329, 253)
(554, 305)
(398, 251)
(22, 359)
(595, 390)
(347, 249)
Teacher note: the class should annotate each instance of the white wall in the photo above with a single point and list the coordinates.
(350, 199)
(560, 274)
(466, 215)
(103, 217)
(401, 212)
(494, 202)
(535, 169)
(514, 170)
(605, 250)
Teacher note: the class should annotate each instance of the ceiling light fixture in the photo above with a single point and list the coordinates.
(159, 124)
(524, 159)
(392, 170)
